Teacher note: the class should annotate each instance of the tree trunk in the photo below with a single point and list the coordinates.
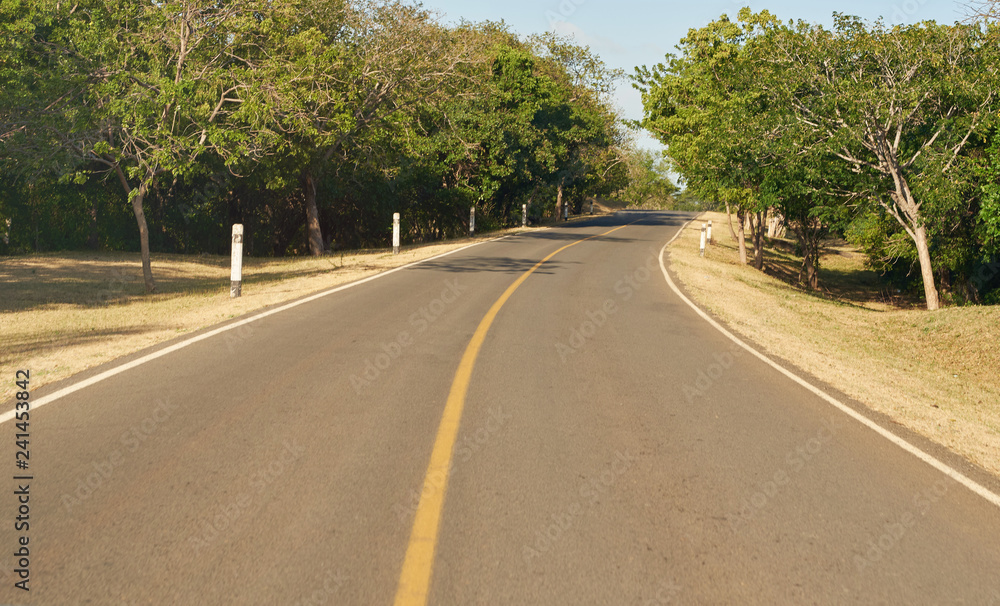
(140, 218)
(757, 227)
(559, 201)
(531, 200)
(313, 231)
(907, 212)
(926, 269)
(729, 220)
(809, 242)
(741, 237)
(811, 272)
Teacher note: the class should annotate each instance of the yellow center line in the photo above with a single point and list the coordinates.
(415, 578)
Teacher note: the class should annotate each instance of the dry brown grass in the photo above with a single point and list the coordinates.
(63, 313)
(935, 373)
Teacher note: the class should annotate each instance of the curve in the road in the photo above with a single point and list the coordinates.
(415, 578)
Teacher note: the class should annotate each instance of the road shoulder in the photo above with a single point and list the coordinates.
(827, 345)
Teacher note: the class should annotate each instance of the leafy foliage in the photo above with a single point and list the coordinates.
(310, 122)
(649, 183)
(849, 126)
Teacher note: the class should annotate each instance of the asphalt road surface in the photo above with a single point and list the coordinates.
(605, 445)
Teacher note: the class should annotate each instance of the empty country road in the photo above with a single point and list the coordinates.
(538, 419)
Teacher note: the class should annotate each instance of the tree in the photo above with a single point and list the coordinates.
(265, 113)
(899, 106)
(648, 182)
(139, 89)
(984, 9)
(585, 133)
(337, 78)
(525, 120)
(989, 213)
(709, 110)
(812, 194)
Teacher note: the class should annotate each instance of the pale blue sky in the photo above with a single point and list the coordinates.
(627, 33)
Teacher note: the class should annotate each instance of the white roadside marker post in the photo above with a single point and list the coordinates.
(565, 212)
(395, 233)
(591, 206)
(703, 239)
(472, 221)
(236, 275)
(524, 215)
(709, 232)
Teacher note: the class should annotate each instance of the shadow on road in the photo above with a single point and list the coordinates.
(567, 232)
(506, 265)
(641, 217)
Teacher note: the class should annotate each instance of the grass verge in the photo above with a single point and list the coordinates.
(62, 313)
(933, 372)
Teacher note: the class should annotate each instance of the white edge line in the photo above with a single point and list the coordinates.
(52, 397)
(954, 474)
